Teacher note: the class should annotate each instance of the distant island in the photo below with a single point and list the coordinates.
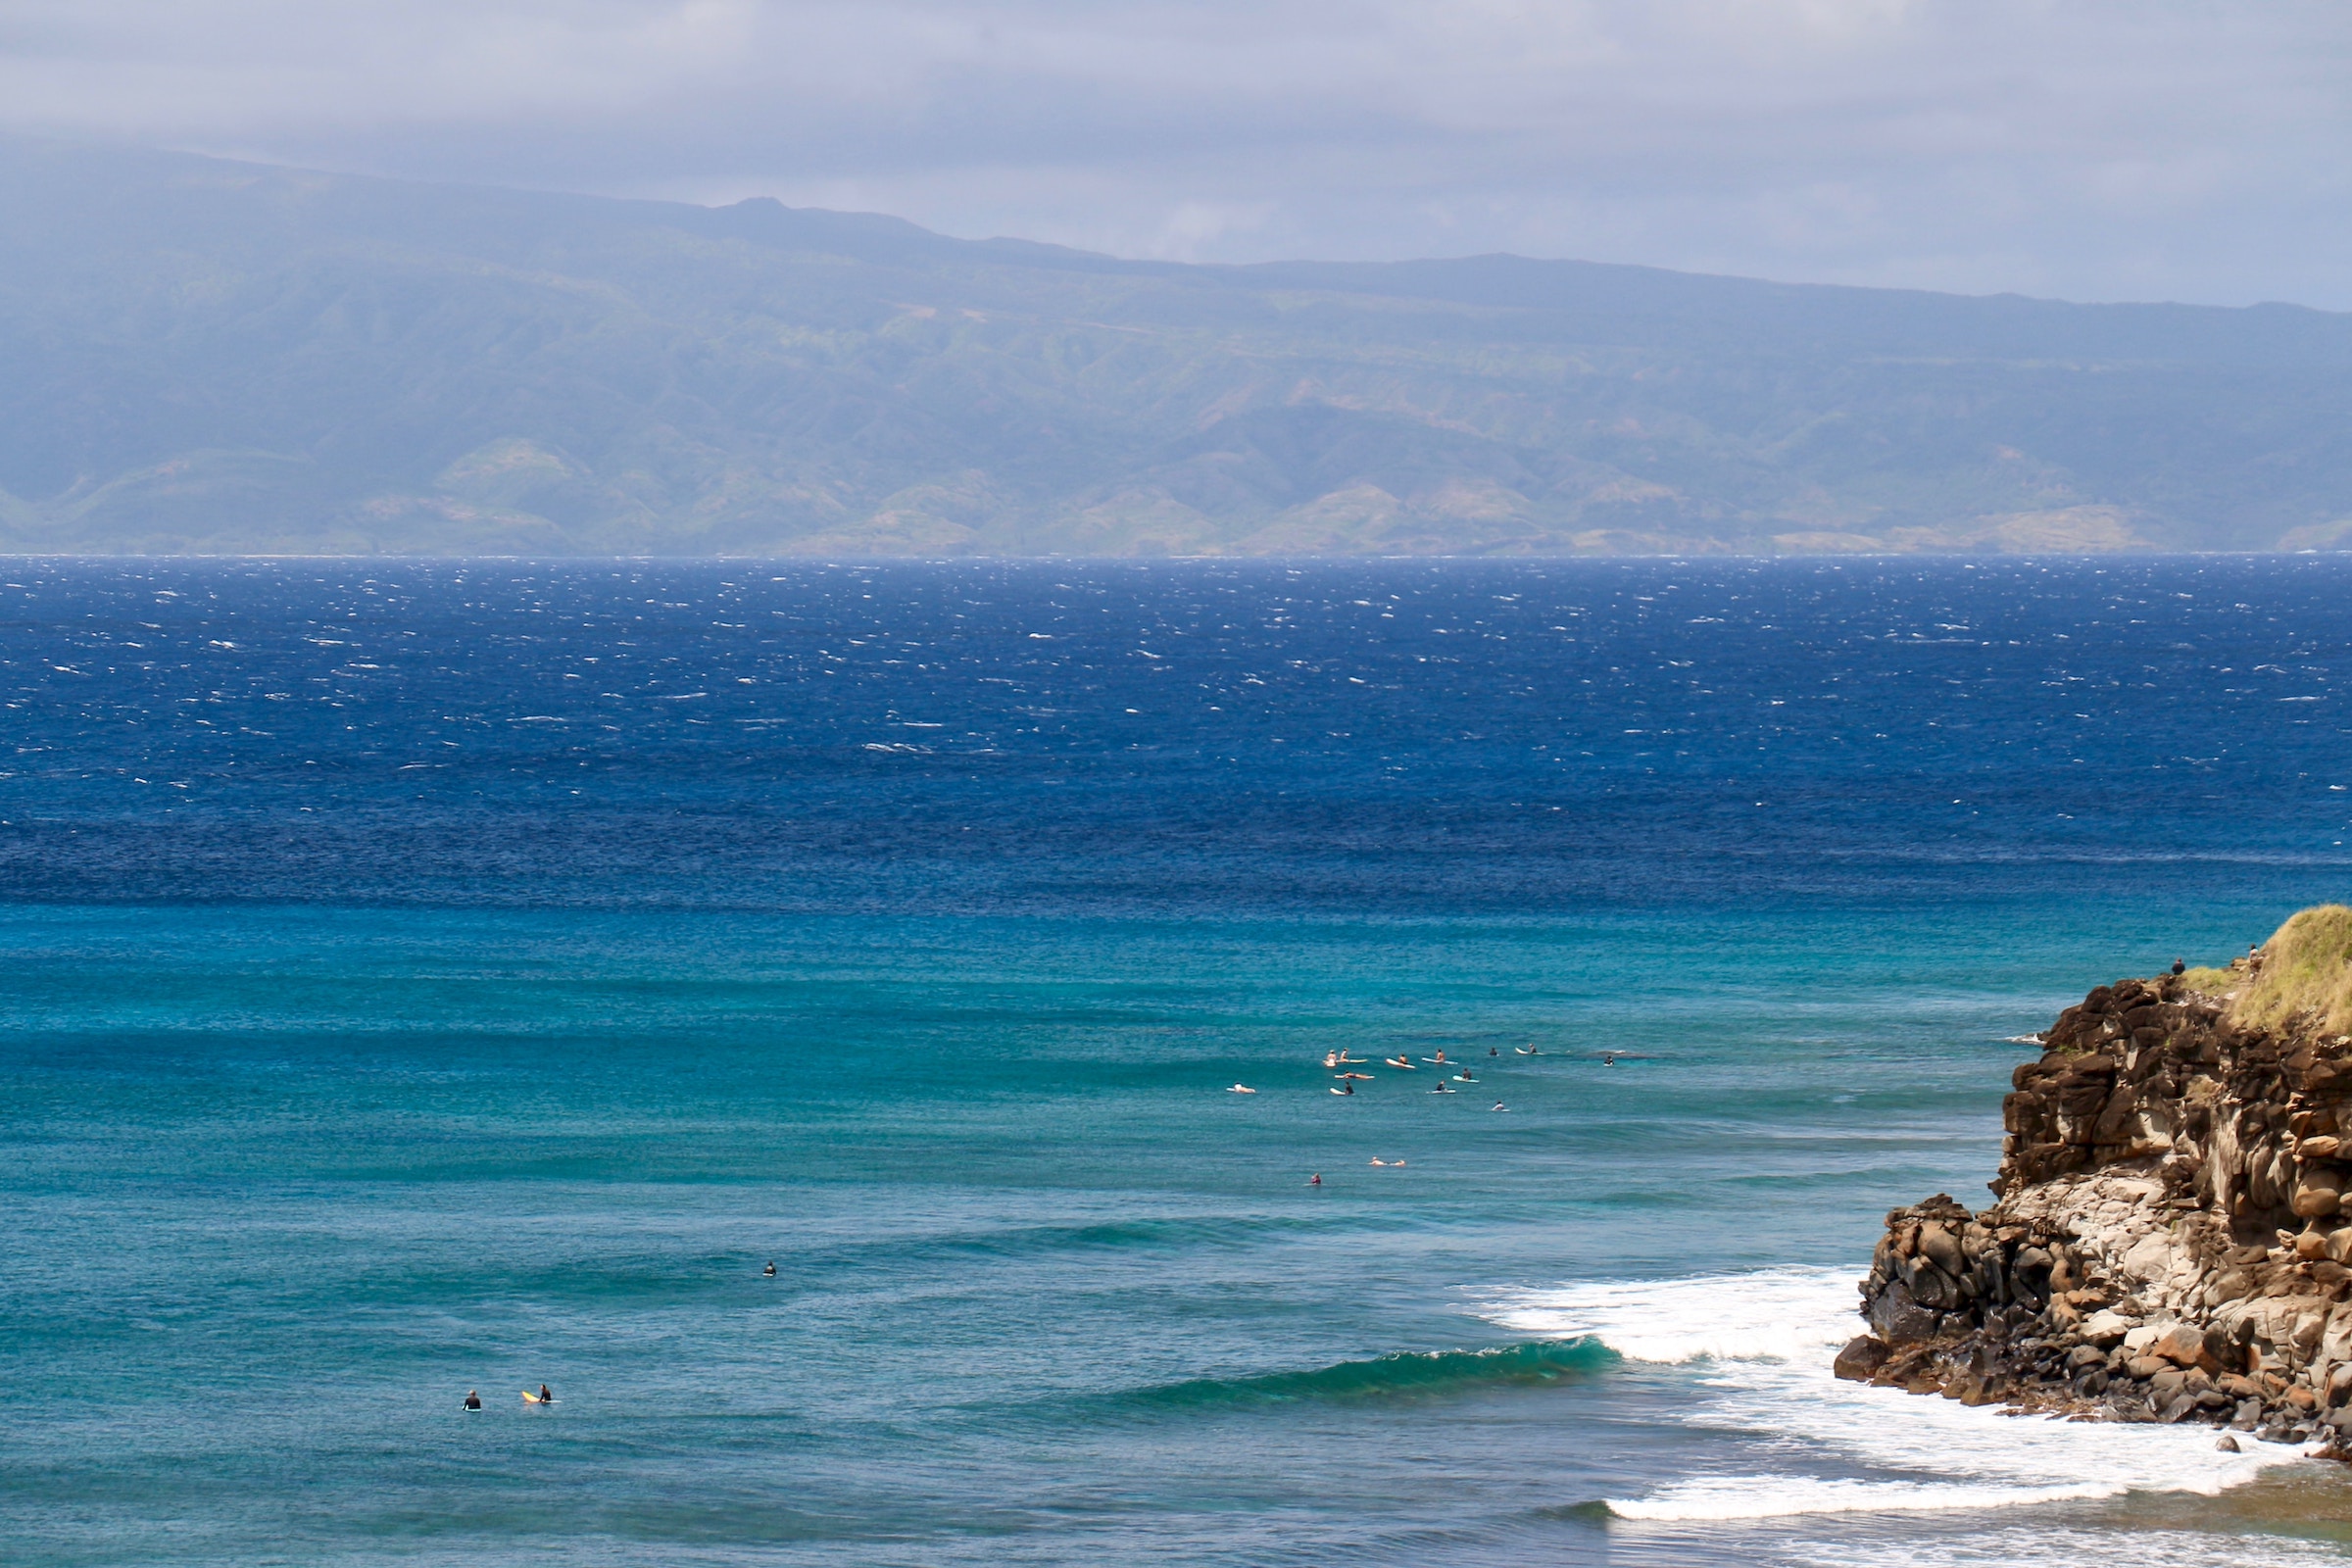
(207, 357)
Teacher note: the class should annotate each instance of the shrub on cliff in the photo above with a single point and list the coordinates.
(2306, 969)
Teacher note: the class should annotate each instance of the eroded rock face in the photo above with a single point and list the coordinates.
(2172, 1238)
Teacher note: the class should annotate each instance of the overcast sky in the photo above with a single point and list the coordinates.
(2092, 149)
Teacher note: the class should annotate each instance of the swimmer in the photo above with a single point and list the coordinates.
(770, 1272)
(474, 1399)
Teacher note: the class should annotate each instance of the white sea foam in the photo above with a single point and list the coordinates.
(2043, 1543)
(1763, 1342)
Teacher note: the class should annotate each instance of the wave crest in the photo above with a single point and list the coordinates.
(1401, 1374)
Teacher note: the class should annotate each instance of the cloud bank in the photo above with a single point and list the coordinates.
(2085, 148)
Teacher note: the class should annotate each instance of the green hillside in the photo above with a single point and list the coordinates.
(213, 357)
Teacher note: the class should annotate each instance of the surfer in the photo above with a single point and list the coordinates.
(1345, 1089)
(1377, 1160)
(1316, 1180)
(1240, 1089)
(546, 1396)
(474, 1399)
(1608, 1058)
(770, 1272)
(1499, 1106)
(1444, 1087)
(1494, 1050)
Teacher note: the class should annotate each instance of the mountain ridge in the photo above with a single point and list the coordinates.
(213, 356)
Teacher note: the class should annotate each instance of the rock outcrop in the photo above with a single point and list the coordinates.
(2172, 1236)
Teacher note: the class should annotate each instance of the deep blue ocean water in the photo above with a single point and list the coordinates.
(432, 976)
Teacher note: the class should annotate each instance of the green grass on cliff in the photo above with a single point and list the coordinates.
(2306, 969)
(2213, 982)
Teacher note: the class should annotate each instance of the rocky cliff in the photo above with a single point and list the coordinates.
(2171, 1236)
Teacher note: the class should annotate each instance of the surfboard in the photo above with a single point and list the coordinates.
(528, 1397)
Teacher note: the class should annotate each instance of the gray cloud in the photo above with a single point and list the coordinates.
(2087, 148)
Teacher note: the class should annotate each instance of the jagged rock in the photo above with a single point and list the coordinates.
(1861, 1358)
(2183, 1345)
(2165, 1238)
(2104, 1328)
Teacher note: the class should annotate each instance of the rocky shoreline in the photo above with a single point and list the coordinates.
(2171, 1239)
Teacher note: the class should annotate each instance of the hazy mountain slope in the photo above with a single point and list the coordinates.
(211, 355)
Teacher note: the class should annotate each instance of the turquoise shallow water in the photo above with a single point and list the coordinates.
(282, 1188)
(360, 1092)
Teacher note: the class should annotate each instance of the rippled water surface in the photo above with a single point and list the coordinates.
(432, 976)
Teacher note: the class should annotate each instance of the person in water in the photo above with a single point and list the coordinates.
(770, 1272)
(545, 1396)
(1316, 1180)
(474, 1399)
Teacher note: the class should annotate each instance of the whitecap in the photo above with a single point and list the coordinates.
(1762, 1342)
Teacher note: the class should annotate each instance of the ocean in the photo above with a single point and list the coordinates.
(433, 976)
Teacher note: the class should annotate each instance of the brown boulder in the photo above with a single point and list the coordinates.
(2183, 1345)
(1861, 1358)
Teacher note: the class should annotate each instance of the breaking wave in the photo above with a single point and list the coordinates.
(1762, 1342)
(1405, 1374)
